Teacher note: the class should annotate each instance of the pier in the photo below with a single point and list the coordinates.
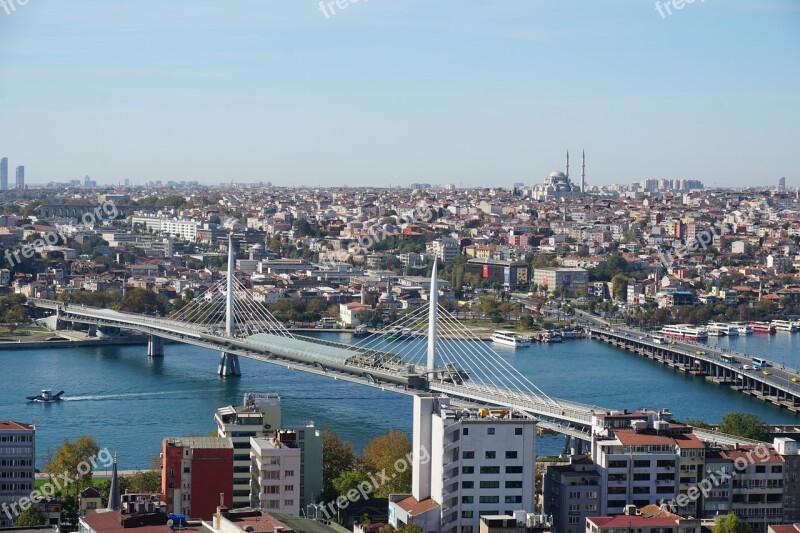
(773, 384)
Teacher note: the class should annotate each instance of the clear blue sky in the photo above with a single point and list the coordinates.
(386, 92)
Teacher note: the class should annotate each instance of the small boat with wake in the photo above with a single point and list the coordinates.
(46, 396)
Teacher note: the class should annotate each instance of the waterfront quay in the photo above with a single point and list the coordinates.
(770, 383)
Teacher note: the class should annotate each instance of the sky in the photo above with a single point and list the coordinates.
(391, 92)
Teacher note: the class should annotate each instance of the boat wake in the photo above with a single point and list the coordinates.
(96, 397)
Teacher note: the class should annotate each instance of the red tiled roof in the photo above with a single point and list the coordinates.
(631, 438)
(11, 425)
(415, 508)
(627, 521)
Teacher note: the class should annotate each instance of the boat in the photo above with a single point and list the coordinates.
(46, 396)
(361, 331)
(785, 325)
(763, 327)
(717, 329)
(554, 336)
(743, 328)
(509, 338)
(396, 333)
(570, 333)
(684, 331)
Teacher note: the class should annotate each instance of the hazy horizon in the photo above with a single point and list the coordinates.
(391, 93)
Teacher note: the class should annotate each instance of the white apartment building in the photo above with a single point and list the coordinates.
(445, 249)
(183, 229)
(259, 416)
(481, 463)
(275, 470)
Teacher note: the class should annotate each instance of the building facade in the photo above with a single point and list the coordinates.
(17, 466)
(194, 472)
(275, 471)
(20, 177)
(511, 275)
(561, 280)
(571, 493)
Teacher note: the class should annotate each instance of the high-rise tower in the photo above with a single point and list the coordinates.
(583, 171)
(20, 177)
(4, 174)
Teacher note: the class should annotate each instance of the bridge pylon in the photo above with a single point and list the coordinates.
(155, 346)
(229, 362)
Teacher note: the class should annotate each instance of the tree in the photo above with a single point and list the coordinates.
(145, 481)
(387, 453)
(619, 285)
(30, 517)
(699, 424)
(75, 460)
(744, 425)
(349, 480)
(337, 457)
(730, 523)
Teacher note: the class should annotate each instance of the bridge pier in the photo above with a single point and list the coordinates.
(155, 346)
(228, 365)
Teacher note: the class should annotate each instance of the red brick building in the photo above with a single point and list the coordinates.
(194, 472)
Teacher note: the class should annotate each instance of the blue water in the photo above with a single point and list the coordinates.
(129, 403)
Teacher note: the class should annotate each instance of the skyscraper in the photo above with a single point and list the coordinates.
(4, 174)
(20, 177)
(782, 184)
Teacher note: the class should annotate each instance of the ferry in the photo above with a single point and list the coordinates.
(684, 331)
(361, 331)
(509, 338)
(396, 333)
(763, 327)
(717, 329)
(743, 328)
(785, 325)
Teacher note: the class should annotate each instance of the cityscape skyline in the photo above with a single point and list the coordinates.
(442, 94)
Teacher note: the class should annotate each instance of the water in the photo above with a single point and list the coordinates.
(129, 403)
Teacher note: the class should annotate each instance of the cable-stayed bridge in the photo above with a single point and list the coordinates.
(427, 351)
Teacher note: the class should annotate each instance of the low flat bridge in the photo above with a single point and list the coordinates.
(774, 384)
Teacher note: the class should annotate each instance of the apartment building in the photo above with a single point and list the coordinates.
(17, 464)
(260, 416)
(571, 493)
(275, 471)
(194, 472)
(480, 462)
(186, 230)
(445, 249)
(561, 280)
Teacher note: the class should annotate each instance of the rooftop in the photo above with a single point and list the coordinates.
(199, 442)
(10, 425)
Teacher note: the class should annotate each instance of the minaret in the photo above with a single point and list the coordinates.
(566, 172)
(113, 490)
(583, 172)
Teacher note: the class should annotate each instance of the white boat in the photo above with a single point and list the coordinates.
(717, 329)
(509, 338)
(554, 336)
(684, 331)
(785, 325)
(743, 328)
(46, 396)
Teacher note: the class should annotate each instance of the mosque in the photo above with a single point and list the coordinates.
(558, 185)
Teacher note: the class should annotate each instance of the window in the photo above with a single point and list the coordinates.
(467, 469)
(511, 455)
(513, 470)
(272, 460)
(574, 519)
(467, 484)
(777, 469)
(490, 484)
(517, 431)
(467, 499)
(288, 503)
(490, 469)
(490, 454)
(513, 484)
(641, 477)
(489, 499)
(272, 474)
(591, 507)
(466, 431)
(273, 504)
(490, 431)
(574, 507)
(288, 488)
(468, 455)
(466, 514)
(761, 469)
(466, 529)
(513, 499)
(641, 464)
(272, 489)
(288, 473)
